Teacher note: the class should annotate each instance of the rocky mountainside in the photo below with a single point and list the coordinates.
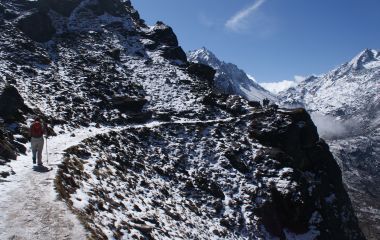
(349, 97)
(229, 78)
(177, 159)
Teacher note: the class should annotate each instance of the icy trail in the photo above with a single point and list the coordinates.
(28, 202)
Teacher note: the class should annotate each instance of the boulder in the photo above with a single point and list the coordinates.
(125, 103)
(163, 34)
(7, 151)
(37, 25)
(235, 161)
(255, 104)
(114, 53)
(12, 105)
(163, 116)
(142, 117)
(174, 53)
(202, 71)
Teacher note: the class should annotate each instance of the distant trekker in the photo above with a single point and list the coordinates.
(266, 102)
(37, 131)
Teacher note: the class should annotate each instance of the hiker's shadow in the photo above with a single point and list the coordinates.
(41, 169)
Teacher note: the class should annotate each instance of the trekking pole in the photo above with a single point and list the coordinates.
(47, 153)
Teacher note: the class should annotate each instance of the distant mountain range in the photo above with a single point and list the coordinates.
(229, 78)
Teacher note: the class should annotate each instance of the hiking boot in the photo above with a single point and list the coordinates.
(40, 165)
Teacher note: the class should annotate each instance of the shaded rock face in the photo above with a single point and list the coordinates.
(299, 146)
(114, 53)
(7, 150)
(203, 71)
(128, 104)
(174, 53)
(37, 26)
(220, 179)
(163, 34)
(12, 105)
(12, 112)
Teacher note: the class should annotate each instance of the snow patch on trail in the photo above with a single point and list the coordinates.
(28, 202)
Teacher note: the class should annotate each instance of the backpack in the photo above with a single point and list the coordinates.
(36, 130)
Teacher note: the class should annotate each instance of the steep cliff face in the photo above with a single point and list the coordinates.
(176, 160)
(345, 101)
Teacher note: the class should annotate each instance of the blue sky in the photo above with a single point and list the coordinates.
(272, 40)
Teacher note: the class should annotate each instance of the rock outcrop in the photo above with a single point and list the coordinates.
(203, 71)
(37, 25)
(12, 106)
(344, 103)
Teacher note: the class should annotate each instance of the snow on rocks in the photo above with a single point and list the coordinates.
(201, 179)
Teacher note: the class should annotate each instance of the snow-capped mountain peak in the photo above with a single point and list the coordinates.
(368, 58)
(229, 78)
(347, 91)
(202, 55)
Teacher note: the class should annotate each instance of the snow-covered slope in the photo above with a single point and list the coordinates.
(175, 159)
(350, 91)
(345, 103)
(229, 78)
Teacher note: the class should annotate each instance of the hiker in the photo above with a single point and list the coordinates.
(266, 102)
(37, 131)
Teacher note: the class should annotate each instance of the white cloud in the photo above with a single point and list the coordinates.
(298, 78)
(331, 128)
(276, 87)
(237, 22)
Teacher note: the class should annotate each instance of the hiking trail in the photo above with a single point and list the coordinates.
(29, 204)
